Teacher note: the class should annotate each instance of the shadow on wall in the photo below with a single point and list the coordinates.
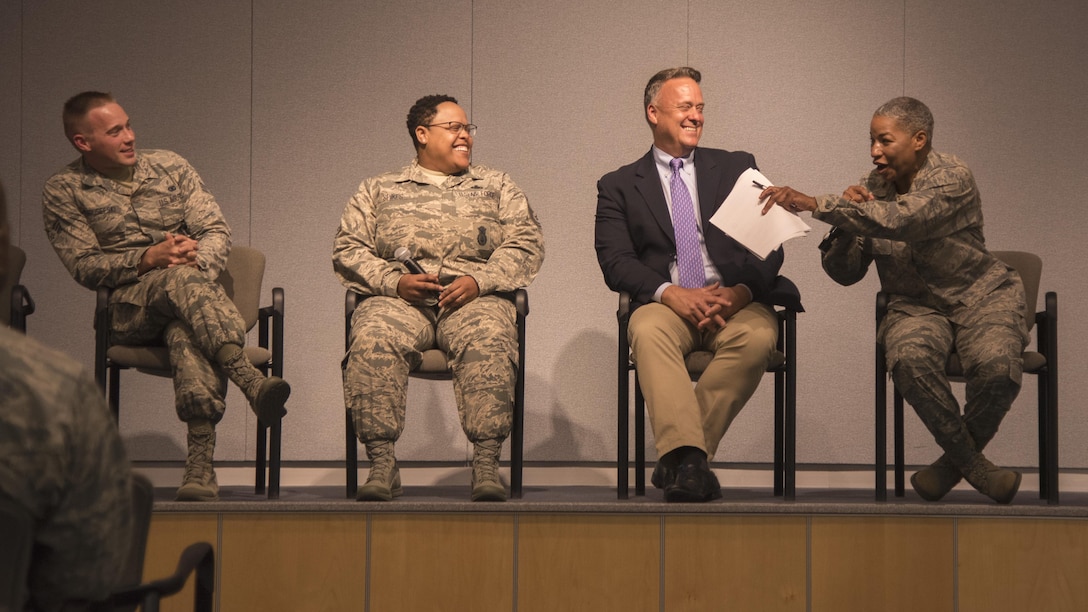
(582, 382)
(156, 444)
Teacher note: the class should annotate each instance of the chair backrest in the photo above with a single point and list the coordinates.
(17, 536)
(16, 262)
(143, 497)
(242, 281)
(1030, 267)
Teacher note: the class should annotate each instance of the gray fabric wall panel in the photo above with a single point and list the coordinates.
(558, 97)
(331, 90)
(182, 72)
(284, 112)
(10, 120)
(1006, 88)
(775, 82)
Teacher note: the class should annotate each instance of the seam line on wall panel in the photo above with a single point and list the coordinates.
(22, 120)
(219, 564)
(955, 565)
(687, 45)
(808, 564)
(252, 70)
(366, 570)
(661, 567)
(514, 604)
(471, 57)
(904, 47)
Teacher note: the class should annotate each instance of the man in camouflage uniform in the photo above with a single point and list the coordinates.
(144, 226)
(919, 216)
(62, 462)
(473, 233)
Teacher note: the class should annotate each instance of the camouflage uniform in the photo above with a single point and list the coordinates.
(100, 228)
(61, 459)
(946, 292)
(477, 223)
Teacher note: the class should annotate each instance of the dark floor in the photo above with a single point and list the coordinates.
(598, 499)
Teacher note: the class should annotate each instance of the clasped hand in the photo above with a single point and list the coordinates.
(174, 250)
(707, 308)
(421, 287)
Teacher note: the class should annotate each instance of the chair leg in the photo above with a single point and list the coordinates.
(623, 428)
(1049, 446)
(789, 409)
(517, 440)
(881, 464)
(262, 452)
(114, 392)
(640, 439)
(274, 462)
(900, 488)
(1044, 417)
(351, 461)
(779, 433)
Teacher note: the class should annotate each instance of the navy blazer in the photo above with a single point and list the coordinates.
(634, 237)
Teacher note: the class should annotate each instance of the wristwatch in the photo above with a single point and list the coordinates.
(825, 244)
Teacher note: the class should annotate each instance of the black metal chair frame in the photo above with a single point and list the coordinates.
(269, 336)
(197, 559)
(1046, 324)
(517, 432)
(21, 305)
(785, 402)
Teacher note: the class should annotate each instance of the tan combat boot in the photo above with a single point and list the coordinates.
(994, 482)
(486, 485)
(935, 480)
(266, 394)
(383, 481)
(199, 483)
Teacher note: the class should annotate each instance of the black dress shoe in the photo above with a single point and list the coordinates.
(663, 476)
(693, 484)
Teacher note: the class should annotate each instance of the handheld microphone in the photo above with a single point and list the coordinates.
(404, 256)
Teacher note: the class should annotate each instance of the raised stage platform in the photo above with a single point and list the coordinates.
(580, 548)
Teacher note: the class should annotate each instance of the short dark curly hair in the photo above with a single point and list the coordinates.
(423, 111)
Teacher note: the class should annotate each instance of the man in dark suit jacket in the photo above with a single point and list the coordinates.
(691, 285)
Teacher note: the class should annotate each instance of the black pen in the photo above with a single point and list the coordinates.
(758, 185)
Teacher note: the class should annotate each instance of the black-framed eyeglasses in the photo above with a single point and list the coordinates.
(455, 127)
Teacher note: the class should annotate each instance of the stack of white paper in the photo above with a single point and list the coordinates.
(740, 216)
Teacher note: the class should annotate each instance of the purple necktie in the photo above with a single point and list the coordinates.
(689, 262)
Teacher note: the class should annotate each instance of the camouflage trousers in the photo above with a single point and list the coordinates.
(192, 315)
(388, 336)
(988, 337)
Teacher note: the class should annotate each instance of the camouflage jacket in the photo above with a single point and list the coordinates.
(927, 243)
(100, 228)
(478, 223)
(62, 461)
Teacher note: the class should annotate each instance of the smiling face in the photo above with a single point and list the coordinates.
(440, 148)
(106, 140)
(897, 154)
(676, 116)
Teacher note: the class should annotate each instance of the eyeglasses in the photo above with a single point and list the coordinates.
(455, 127)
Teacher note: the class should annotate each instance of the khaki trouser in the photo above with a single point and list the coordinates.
(685, 415)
